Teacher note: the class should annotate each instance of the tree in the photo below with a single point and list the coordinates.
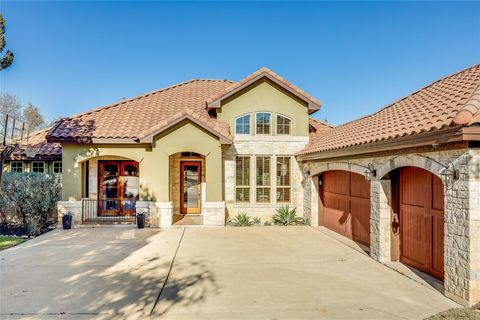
(33, 117)
(11, 105)
(7, 60)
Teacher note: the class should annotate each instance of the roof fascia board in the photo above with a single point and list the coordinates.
(447, 136)
(149, 137)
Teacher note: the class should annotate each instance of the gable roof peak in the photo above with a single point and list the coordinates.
(214, 102)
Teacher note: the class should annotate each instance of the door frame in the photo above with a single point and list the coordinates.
(121, 211)
(196, 210)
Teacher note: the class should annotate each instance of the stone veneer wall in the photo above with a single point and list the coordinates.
(263, 146)
(462, 212)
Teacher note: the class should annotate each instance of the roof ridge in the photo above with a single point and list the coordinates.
(322, 122)
(114, 104)
(409, 95)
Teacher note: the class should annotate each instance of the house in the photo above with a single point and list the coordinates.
(196, 152)
(38, 156)
(405, 181)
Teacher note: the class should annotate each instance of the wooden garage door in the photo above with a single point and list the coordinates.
(421, 221)
(346, 204)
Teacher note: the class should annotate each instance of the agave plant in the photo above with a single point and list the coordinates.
(286, 216)
(243, 220)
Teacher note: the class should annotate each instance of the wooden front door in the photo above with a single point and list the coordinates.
(346, 204)
(118, 187)
(190, 186)
(421, 221)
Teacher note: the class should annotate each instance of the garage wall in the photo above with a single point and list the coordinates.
(462, 212)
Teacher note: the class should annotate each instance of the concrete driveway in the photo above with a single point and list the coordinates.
(213, 273)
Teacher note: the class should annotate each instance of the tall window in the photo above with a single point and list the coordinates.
(242, 125)
(57, 167)
(283, 125)
(242, 180)
(263, 179)
(263, 120)
(283, 179)
(16, 166)
(38, 166)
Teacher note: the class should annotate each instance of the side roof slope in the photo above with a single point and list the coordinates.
(448, 102)
(132, 119)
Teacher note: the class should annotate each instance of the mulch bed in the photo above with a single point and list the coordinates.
(20, 230)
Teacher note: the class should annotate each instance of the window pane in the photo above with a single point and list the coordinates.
(57, 167)
(243, 194)
(16, 167)
(242, 125)
(263, 123)
(283, 125)
(263, 194)
(283, 171)
(242, 179)
(283, 194)
(263, 179)
(38, 167)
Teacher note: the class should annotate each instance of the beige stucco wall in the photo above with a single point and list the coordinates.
(154, 162)
(265, 97)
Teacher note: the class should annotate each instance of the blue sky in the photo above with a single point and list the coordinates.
(354, 57)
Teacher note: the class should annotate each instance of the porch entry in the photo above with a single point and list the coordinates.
(118, 184)
(190, 186)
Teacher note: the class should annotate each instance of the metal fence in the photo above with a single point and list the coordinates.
(108, 211)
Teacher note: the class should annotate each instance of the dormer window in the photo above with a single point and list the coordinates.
(263, 121)
(242, 124)
(284, 125)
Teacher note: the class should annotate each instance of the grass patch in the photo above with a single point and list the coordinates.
(457, 314)
(7, 242)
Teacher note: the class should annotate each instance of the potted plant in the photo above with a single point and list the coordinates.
(141, 220)
(67, 220)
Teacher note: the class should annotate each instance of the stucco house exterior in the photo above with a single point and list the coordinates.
(403, 182)
(420, 203)
(196, 152)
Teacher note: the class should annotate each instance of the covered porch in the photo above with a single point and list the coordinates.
(176, 180)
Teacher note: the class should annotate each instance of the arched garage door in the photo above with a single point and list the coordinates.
(346, 204)
(421, 221)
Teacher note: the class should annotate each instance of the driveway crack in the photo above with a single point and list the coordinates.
(168, 274)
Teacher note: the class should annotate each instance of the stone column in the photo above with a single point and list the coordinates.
(214, 214)
(462, 232)
(161, 214)
(380, 194)
(314, 198)
(73, 207)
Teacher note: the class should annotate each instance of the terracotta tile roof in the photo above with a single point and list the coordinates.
(214, 101)
(317, 127)
(46, 150)
(135, 118)
(450, 101)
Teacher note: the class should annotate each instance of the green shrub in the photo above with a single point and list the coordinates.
(286, 217)
(244, 220)
(32, 196)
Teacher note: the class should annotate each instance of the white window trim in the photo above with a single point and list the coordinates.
(44, 166)
(250, 122)
(21, 162)
(250, 161)
(272, 200)
(290, 178)
(276, 125)
(53, 167)
(271, 124)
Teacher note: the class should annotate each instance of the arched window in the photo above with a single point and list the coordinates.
(284, 125)
(242, 124)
